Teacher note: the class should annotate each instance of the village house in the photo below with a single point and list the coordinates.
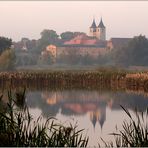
(50, 50)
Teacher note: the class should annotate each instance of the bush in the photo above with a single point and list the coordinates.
(7, 60)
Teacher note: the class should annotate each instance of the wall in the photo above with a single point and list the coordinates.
(93, 51)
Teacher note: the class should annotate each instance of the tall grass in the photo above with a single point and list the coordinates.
(133, 133)
(17, 128)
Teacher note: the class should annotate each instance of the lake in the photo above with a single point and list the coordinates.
(97, 111)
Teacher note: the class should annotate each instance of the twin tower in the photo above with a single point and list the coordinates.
(98, 31)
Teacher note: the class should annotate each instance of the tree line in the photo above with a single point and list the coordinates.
(135, 53)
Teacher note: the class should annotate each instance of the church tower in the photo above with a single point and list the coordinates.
(98, 31)
(101, 31)
(92, 29)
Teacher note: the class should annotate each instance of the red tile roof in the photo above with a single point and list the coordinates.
(85, 40)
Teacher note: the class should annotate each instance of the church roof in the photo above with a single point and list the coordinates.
(101, 25)
(93, 24)
(83, 40)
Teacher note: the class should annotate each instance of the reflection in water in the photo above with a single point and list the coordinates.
(96, 111)
(98, 116)
(83, 102)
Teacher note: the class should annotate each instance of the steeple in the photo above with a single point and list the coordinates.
(93, 24)
(101, 25)
(98, 31)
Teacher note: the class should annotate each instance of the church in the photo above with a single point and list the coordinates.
(98, 31)
(96, 36)
(93, 44)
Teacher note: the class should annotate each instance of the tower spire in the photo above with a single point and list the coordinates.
(93, 23)
(101, 25)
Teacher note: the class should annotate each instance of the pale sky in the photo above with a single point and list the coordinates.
(28, 18)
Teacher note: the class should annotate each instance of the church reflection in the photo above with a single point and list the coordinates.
(81, 102)
(98, 116)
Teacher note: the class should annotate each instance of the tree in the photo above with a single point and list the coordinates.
(46, 59)
(79, 33)
(47, 37)
(104, 60)
(7, 60)
(26, 58)
(67, 35)
(5, 43)
(87, 59)
(135, 53)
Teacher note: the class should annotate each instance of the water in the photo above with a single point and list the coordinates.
(97, 111)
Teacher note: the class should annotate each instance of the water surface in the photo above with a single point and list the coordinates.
(97, 111)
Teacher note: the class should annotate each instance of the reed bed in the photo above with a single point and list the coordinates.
(70, 79)
(62, 79)
(139, 79)
(74, 79)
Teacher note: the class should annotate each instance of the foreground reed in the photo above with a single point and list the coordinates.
(134, 132)
(18, 129)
